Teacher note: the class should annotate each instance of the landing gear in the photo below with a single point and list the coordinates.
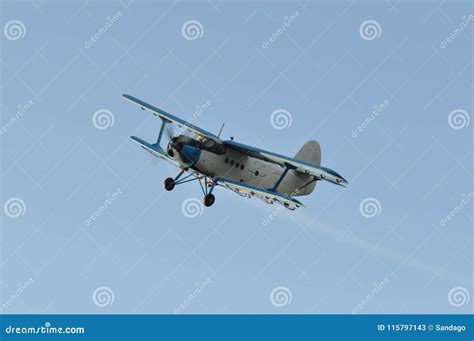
(209, 200)
(207, 185)
(169, 184)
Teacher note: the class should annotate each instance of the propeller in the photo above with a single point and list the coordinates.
(182, 143)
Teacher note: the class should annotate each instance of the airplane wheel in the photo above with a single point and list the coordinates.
(209, 200)
(169, 184)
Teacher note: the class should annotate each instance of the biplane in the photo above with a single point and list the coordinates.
(248, 171)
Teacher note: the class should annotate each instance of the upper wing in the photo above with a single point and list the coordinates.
(322, 173)
(265, 195)
(171, 118)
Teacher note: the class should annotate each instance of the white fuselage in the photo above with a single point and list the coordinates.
(239, 167)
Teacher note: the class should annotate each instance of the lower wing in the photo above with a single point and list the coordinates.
(266, 195)
(154, 149)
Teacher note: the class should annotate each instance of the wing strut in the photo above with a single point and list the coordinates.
(287, 168)
(160, 135)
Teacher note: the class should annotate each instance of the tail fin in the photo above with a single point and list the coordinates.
(310, 152)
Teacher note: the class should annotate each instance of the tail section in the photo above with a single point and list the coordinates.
(310, 152)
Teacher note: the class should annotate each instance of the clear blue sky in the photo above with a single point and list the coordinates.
(410, 158)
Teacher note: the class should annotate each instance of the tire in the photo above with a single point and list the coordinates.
(169, 184)
(209, 200)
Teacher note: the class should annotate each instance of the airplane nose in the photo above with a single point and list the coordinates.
(190, 154)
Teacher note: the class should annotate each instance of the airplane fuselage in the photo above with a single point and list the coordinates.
(247, 170)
